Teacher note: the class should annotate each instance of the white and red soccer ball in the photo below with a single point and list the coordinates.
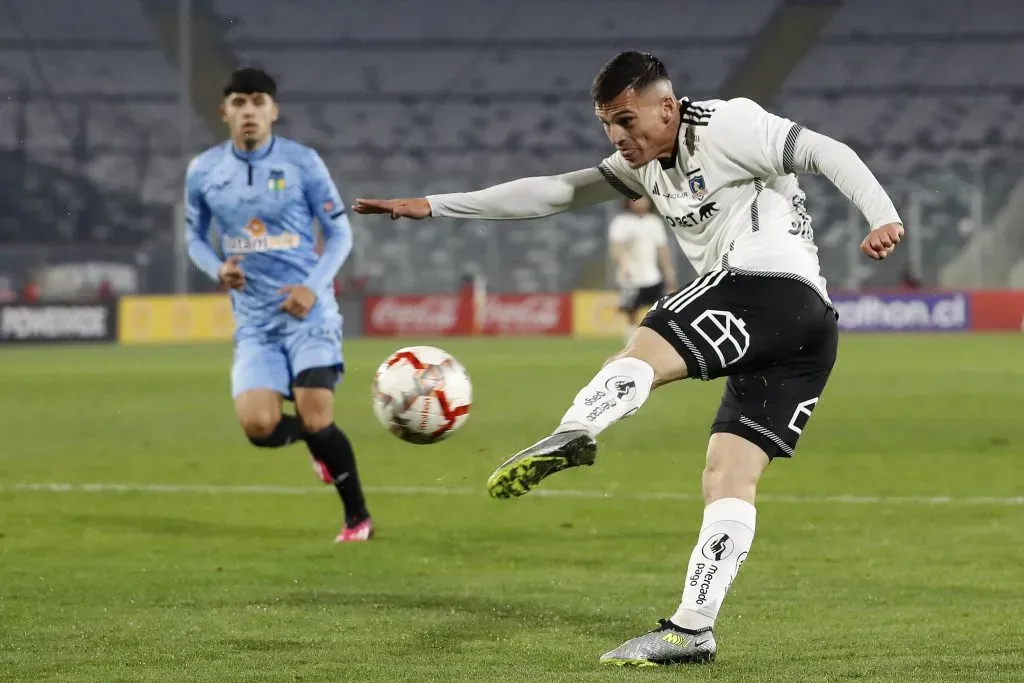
(421, 394)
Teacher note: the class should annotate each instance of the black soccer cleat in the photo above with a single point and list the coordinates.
(554, 453)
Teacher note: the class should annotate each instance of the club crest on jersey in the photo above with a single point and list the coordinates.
(698, 188)
(275, 183)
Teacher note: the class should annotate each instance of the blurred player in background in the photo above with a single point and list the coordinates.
(639, 251)
(723, 176)
(264, 192)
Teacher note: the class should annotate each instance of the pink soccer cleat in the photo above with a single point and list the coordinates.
(362, 531)
(321, 472)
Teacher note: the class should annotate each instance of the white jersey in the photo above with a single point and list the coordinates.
(640, 237)
(729, 193)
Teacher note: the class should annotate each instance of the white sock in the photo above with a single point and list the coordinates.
(724, 541)
(617, 391)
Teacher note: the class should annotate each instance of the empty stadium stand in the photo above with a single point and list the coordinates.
(401, 100)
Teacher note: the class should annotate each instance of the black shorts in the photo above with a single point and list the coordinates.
(774, 337)
(634, 299)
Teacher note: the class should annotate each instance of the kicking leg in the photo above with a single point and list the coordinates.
(616, 392)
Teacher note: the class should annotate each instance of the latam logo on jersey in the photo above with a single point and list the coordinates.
(257, 240)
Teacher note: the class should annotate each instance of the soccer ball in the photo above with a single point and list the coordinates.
(421, 394)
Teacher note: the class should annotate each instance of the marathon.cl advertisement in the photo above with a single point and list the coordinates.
(910, 312)
(442, 315)
(931, 311)
(52, 322)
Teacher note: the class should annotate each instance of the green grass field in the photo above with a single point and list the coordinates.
(890, 549)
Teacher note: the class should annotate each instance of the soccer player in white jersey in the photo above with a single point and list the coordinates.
(640, 255)
(723, 176)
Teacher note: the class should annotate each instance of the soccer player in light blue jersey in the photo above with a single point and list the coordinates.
(264, 191)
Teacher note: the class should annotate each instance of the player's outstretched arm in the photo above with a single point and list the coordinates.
(517, 199)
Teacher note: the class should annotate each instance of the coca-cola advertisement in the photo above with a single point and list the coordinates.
(443, 315)
(426, 315)
(525, 314)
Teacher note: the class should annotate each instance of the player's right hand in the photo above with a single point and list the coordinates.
(231, 274)
(416, 208)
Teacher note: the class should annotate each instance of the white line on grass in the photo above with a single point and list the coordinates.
(258, 489)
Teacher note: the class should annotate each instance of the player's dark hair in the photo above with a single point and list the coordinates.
(626, 70)
(249, 80)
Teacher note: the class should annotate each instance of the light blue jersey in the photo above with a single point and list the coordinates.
(264, 202)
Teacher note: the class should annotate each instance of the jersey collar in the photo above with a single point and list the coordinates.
(259, 153)
(686, 118)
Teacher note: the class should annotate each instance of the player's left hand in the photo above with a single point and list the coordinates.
(300, 300)
(882, 241)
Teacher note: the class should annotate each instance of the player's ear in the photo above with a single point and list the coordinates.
(668, 107)
(274, 113)
(222, 112)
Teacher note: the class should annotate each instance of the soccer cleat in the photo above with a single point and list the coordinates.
(361, 531)
(555, 453)
(667, 644)
(322, 472)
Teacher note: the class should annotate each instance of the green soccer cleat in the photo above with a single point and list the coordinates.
(667, 644)
(554, 453)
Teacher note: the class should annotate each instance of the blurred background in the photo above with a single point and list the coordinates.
(104, 102)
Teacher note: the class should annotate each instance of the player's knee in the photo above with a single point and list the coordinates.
(315, 408)
(734, 466)
(259, 425)
(650, 347)
(316, 422)
(720, 481)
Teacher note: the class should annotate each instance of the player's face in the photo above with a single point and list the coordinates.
(639, 124)
(249, 117)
